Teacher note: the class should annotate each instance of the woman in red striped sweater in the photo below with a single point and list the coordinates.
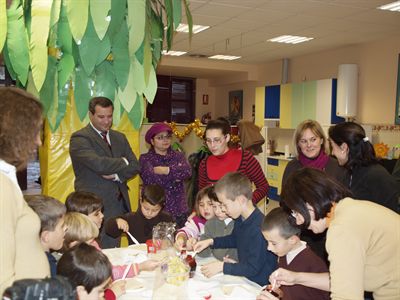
(224, 160)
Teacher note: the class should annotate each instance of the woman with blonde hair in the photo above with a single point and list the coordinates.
(310, 145)
(21, 254)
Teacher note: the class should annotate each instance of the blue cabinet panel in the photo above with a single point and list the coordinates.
(334, 118)
(272, 101)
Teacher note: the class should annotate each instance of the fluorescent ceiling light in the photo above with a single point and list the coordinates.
(394, 6)
(290, 39)
(224, 57)
(195, 29)
(173, 53)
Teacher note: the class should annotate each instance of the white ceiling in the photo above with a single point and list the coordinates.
(242, 27)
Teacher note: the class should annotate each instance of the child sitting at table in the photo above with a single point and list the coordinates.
(234, 191)
(293, 255)
(220, 225)
(88, 204)
(140, 223)
(89, 271)
(187, 236)
(51, 213)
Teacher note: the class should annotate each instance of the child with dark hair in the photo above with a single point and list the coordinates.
(220, 225)
(86, 203)
(51, 213)
(293, 255)
(140, 223)
(88, 270)
(234, 190)
(188, 235)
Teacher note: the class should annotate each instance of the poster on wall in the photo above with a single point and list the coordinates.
(235, 106)
(397, 118)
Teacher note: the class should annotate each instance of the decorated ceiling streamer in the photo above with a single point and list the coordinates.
(88, 48)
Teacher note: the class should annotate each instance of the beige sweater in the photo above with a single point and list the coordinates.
(363, 243)
(21, 254)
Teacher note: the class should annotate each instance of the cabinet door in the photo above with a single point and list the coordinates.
(272, 103)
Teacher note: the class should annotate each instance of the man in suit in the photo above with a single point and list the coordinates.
(103, 161)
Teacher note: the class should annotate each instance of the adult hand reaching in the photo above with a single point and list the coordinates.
(201, 245)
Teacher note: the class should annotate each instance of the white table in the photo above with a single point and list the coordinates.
(221, 287)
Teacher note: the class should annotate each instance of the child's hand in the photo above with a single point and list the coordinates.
(149, 265)
(213, 268)
(118, 287)
(180, 242)
(201, 245)
(227, 259)
(122, 224)
(191, 216)
(190, 244)
(265, 295)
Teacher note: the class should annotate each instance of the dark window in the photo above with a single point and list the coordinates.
(174, 101)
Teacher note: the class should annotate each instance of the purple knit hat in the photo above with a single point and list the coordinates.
(156, 129)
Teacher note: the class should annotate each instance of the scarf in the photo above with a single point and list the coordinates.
(318, 162)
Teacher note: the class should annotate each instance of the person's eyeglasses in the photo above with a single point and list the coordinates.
(163, 137)
(217, 140)
(312, 140)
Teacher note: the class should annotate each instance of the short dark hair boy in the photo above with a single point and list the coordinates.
(140, 223)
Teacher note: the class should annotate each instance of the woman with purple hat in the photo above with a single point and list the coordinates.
(168, 168)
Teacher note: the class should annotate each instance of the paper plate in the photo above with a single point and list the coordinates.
(134, 285)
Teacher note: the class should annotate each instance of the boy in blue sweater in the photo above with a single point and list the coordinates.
(255, 263)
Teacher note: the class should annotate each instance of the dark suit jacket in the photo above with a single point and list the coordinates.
(91, 158)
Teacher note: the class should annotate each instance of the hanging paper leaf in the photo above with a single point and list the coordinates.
(62, 104)
(99, 10)
(49, 90)
(55, 12)
(30, 86)
(17, 42)
(82, 92)
(117, 111)
(139, 54)
(118, 12)
(66, 66)
(170, 23)
(92, 48)
(136, 23)
(151, 88)
(3, 23)
(105, 83)
(40, 13)
(7, 62)
(189, 19)
(78, 14)
(147, 61)
(137, 113)
(177, 5)
(138, 76)
(121, 62)
(128, 95)
(157, 32)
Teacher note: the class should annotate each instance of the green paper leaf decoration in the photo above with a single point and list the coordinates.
(170, 23)
(120, 53)
(151, 88)
(7, 62)
(78, 14)
(49, 89)
(104, 50)
(117, 111)
(30, 86)
(177, 8)
(118, 12)
(99, 10)
(17, 42)
(105, 83)
(136, 23)
(62, 105)
(3, 23)
(66, 66)
(138, 76)
(157, 32)
(189, 19)
(147, 61)
(64, 34)
(82, 92)
(55, 12)
(139, 54)
(40, 13)
(127, 97)
(90, 48)
(137, 112)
